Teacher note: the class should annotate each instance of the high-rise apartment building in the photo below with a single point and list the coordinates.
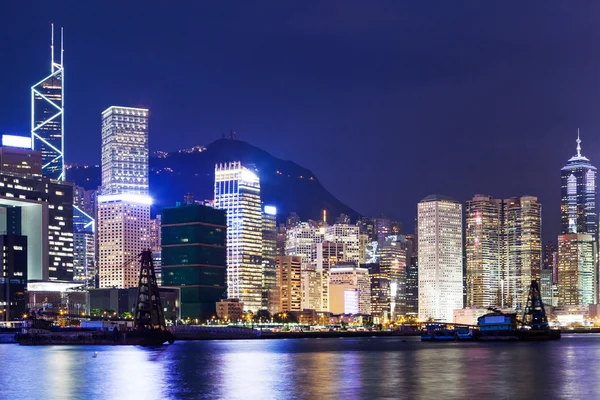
(290, 283)
(48, 116)
(578, 195)
(576, 272)
(123, 205)
(237, 191)
(440, 257)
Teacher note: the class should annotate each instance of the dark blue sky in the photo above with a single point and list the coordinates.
(386, 102)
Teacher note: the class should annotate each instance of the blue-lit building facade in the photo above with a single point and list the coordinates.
(47, 117)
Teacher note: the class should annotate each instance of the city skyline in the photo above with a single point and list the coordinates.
(541, 138)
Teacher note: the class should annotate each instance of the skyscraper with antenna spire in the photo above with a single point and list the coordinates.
(577, 244)
(48, 115)
(578, 195)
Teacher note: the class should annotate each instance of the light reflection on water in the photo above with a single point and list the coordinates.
(306, 369)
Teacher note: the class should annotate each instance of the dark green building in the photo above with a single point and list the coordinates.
(193, 240)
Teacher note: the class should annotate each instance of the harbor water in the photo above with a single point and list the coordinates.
(348, 368)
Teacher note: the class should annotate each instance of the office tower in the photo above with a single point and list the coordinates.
(440, 258)
(281, 239)
(155, 233)
(13, 285)
(125, 151)
(349, 290)
(48, 116)
(550, 258)
(522, 249)
(576, 272)
(193, 239)
(302, 240)
(363, 246)
(42, 210)
(502, 250)
(270, 289)
(84, 247)
(483, 233)
(349, 236)
(546, 287)
(328, 254)
(20, 160)
(290, 283)
(85, 200)
(237, 191)
(392, 257)
(312, 290)
(578, 195)
(380, 292)
(123, 205)
(412, 276)
(154, 239)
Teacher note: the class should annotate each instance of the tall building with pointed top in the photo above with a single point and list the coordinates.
(578, 195)
(577, 266)
(48, 116)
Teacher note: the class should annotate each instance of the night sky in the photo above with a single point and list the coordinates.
(385, 102)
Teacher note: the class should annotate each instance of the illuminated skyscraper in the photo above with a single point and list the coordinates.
(48, 116)
(578, 195)
(270, 290)
(576, 272)
(440, 258)
(503, 250)
(521, 247)
(483, 231)
(237, 191)
(125, 151)
(124, 204)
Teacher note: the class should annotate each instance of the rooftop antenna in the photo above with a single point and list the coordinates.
(52, 49)
(62, 47)
(578, 144)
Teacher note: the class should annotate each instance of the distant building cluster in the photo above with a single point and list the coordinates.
(66, 246)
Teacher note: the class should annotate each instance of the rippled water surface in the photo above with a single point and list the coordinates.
(376, 368)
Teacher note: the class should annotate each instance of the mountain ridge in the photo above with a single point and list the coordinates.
(284, 184)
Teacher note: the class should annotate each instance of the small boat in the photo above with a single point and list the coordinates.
(436, 332)
(464, 333)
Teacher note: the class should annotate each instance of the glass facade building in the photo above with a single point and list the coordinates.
(578, 195)
(123, 204)
(503, 250)
(576, 272)
(193, 242)
(237, 191)
(125, 151)
(440, 258)
(48, 117)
